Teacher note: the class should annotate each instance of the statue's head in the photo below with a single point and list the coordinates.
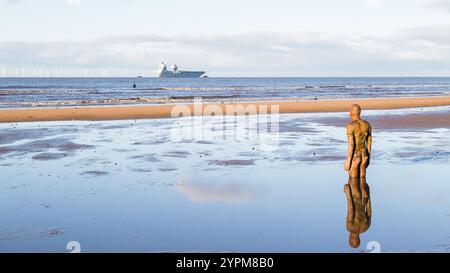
(355, 112)
(354, 240)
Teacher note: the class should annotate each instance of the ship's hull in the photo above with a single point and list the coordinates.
(181, 74)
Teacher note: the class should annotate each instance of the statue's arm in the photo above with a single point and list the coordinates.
(351, 147)
(369, 141)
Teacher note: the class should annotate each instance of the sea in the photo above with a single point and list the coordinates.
(50, 92)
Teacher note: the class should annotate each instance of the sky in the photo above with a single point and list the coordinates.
(225, 38)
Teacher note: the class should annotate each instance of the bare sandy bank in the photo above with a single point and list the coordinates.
(408, 122)
(165, 110)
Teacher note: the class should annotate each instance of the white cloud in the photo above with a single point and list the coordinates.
(443, 5)
(439, 34)
(12, 2)
(423, 51)
(374, 2)
(68, 2)
(73, 2)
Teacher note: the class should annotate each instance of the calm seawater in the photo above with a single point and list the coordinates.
(32, 92)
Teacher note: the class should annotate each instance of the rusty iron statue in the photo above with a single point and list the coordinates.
(359, 136)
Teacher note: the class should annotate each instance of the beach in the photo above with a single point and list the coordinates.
(219, 136)
(219, 165)
(165, 110)
(212, 191)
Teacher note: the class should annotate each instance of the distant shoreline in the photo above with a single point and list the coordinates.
(209, 77)
(164, 110)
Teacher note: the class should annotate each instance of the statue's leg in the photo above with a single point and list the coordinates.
(363, 165)
(356, 165)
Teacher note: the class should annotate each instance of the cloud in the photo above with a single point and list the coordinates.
(374, 2)
(11, 2)
(424, 51)
(439, 34)
(443, 5)
(73, 2)
(15, 2)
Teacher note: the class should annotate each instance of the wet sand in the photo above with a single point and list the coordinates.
(411, 121)
(164, 111)
(129, 186)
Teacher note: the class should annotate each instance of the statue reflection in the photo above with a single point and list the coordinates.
(359, 209)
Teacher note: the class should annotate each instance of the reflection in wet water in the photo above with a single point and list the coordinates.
(359, 209)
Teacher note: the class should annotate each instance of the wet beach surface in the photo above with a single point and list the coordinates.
(182, 185)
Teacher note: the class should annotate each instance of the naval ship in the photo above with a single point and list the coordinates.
(173, 72)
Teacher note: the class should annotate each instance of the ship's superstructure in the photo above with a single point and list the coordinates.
(174, 72)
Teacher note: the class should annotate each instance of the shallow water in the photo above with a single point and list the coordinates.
(146, 186)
